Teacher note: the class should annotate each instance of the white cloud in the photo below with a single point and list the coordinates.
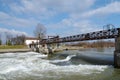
(42, 9)
(72, 27)
(13, 21)
(106, 10)
(12, 32)
(51, 7)
(75, 9)
(86, 26)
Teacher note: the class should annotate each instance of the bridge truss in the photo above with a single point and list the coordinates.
(104, 34)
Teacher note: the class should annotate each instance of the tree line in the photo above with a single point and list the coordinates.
(95, 44)
(39, 32)
(10, 40)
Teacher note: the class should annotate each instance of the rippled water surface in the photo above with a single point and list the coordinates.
(89, 64)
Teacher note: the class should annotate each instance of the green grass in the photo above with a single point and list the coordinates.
(13, 47)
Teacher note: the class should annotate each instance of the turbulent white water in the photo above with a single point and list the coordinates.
(64, 60)
(19, 65)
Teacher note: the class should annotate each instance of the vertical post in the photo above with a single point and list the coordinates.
(117, 51)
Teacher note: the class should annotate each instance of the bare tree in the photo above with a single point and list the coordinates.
(8, 35)
(18, 40)
(8, 38)
(40, 31)
(0, 36)
(0, 39)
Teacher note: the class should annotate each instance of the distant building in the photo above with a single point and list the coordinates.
(30, 40)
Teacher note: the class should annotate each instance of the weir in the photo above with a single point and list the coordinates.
(49, 48)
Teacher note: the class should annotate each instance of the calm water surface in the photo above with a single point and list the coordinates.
(85, 64)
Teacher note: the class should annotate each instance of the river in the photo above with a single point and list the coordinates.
(84, 64)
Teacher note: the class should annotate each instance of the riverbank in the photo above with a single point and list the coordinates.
(62, 48)
(66, 48)
(14, 50)
(13, 46)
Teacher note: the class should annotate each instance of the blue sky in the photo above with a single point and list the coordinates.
(60, 17)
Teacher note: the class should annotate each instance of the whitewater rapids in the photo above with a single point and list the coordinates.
(19, 66)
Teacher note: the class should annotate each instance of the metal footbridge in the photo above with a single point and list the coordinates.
(104, 34)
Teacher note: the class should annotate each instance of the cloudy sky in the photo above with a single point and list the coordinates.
(60, 17)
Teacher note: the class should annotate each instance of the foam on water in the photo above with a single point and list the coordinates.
(63, 60)
(12, 69)
(33, 64)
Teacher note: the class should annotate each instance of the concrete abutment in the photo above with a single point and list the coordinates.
(117, 53)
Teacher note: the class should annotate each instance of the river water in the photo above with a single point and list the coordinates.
(84, 64)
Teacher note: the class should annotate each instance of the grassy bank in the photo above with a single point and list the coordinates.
(13, 47)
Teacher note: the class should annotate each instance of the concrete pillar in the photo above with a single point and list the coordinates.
(117, 53)
(49, 49)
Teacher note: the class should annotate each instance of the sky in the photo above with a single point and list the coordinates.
(60, 17)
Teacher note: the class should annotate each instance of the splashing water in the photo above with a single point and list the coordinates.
(34, 66)
(66, 59)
